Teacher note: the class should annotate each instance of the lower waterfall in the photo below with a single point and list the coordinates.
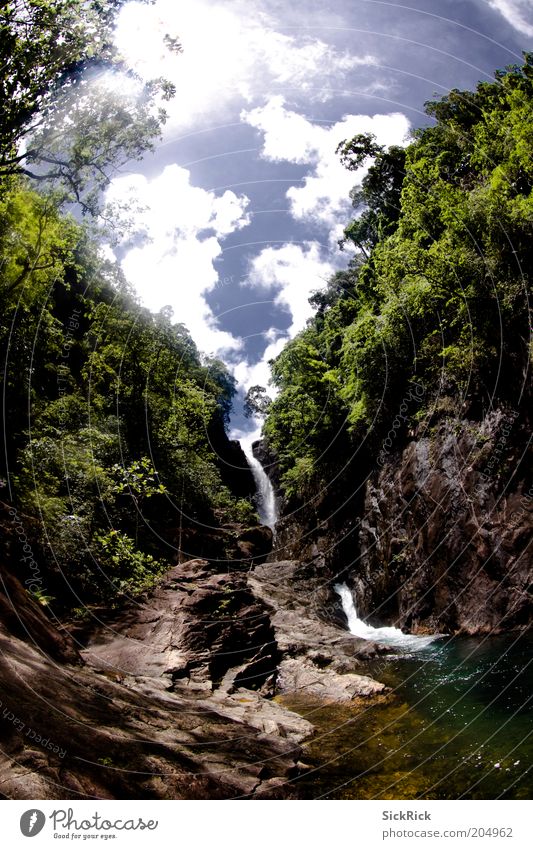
(387, 635)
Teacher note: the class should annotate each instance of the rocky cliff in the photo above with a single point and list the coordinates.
(80, 719)
(438, 536)
(174, 695)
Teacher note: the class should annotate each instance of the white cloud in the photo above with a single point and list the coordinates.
(290, 137)
(231, 51)
(184, 226)
(258, 373)
(518, 13)
(293, 272)
(233, 56)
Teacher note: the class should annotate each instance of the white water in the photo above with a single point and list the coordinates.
(388, 636)
(265, 499)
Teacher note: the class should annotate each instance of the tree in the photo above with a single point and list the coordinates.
(222, 384)
(355, 152)
(256, 402)
(379, 198)
(61, 121)
(87, 135)
(42, 44)
(93, 385)
(441, 308)
(140, 481)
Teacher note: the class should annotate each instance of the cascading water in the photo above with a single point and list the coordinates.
(457, 725)
(387, 635)
(266, 498)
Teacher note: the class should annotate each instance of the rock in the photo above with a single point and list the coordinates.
(189, 632)
(267, 716)
(114, 741)
(227, 549)
(118, 728)
(437, 539)
(234, 467)
(268, 460)
(202, 633)
(172, 696)
(22, 617)
(446, 529)
(318, 659)
(300, 675)
(255, 544)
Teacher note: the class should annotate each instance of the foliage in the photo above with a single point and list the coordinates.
(244, 512)
(256, 402)
(70, 113)
(111, 418)
(437, 296)
(110, 413)
(123, 568)
(379, 199)
(35, 242)
(41, 42)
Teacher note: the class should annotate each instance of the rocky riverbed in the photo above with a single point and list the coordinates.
(173, 696)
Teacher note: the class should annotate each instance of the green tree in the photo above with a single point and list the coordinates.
(257, 402)
(378, 199)
(439, 297)
(61, 121)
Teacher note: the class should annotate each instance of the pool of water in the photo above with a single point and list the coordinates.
(458, 723)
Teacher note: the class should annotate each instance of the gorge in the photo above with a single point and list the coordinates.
(339, 606)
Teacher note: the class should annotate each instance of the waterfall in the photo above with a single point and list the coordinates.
(265, 498)
(387, 635)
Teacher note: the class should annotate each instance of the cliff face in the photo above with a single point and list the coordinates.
(446, 531)
(439, 537)
(233, 465)
(108, 722)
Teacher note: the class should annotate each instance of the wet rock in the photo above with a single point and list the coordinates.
(302, 676)
(318, 659)
(268, 460)
(444, 539)
(438, 539)
(117, 727)
(236, 473)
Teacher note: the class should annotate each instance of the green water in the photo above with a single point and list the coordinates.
(458, 724)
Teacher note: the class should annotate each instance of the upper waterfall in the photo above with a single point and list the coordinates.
(265, 498)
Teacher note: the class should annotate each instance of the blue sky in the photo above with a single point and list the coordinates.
(244, 200)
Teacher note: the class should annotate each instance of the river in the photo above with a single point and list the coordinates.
(458, 723)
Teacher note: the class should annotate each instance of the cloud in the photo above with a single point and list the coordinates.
(258, 374)
(231, 51)
(290, 137)
(183, 227)
(293, 272)
(517, 13)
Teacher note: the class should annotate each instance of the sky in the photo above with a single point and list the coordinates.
(243, 202)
